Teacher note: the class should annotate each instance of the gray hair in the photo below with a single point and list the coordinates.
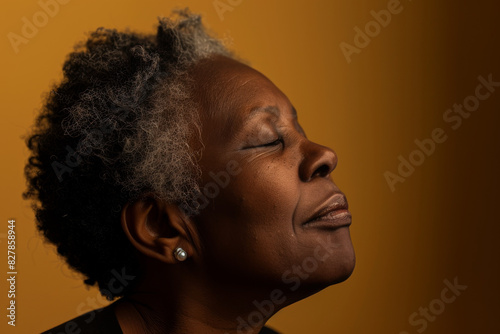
(117, 127)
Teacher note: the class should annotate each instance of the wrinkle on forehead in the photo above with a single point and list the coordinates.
(225, 93)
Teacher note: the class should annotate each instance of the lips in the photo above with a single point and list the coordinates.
(333, 214)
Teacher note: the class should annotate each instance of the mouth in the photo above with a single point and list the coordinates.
(334, 214)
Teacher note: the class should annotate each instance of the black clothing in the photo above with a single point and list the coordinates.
(102, 321)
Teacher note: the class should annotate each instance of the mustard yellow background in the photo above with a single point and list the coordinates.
(441, 223)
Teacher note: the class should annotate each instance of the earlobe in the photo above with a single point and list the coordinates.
(180, 254)
(157, 230)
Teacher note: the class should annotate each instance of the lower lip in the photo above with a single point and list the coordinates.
(332, 220)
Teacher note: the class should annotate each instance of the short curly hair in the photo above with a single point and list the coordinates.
(116, 127)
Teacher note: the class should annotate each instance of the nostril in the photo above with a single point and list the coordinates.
(317, 161)
(322, 171)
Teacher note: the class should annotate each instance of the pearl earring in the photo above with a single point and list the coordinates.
(180, 254)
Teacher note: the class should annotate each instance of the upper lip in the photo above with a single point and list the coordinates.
(336, 202)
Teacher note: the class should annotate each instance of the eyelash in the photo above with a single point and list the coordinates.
(277, 141)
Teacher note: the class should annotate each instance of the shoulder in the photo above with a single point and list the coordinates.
(267, 330)
(99, 321)
(103, 321)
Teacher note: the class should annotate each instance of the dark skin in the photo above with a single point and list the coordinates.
(250, 238)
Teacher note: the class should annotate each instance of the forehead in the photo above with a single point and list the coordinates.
(229, 92)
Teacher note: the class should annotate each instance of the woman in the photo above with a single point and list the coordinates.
(176, 177)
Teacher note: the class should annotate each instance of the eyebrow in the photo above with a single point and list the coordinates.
(254, 112)
(273, 110)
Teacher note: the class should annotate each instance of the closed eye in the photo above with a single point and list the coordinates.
(270, 144)
(273, 143)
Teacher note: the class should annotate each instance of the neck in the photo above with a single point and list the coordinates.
(193, 307)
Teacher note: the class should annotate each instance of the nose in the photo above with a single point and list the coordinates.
(318, 161)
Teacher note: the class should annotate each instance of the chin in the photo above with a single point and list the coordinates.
(340, 270)
(328, 275)
(345, 268)
(336, 269)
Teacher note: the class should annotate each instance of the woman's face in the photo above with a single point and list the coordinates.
(263, 180)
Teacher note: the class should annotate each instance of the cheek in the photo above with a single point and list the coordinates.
(249, 226)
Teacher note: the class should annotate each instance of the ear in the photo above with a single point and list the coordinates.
(156, 228)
